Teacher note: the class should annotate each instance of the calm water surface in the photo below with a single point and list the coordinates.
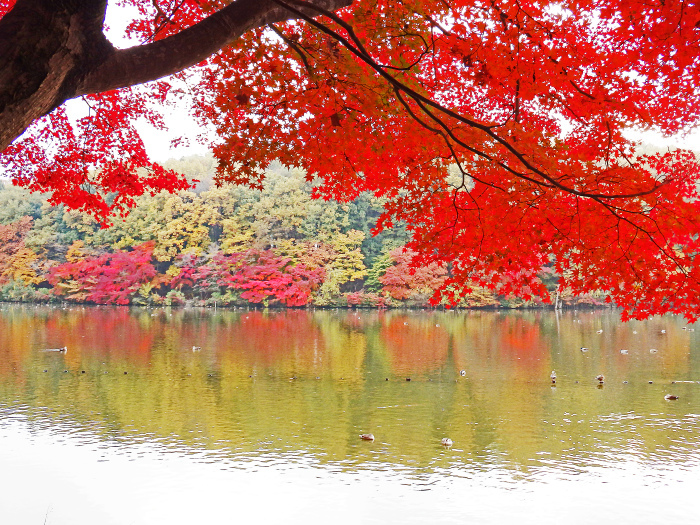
(260, 422)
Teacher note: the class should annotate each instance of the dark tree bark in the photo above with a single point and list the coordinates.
(55, 50)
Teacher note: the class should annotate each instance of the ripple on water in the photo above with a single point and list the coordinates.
(520, 445)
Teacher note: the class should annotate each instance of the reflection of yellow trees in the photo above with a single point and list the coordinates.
(299, 380)
(346, 343)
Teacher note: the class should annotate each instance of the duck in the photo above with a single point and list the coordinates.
(62, 349)
(446, 442)
(670, 397)
(653, 350)
(196, 348)
(553, 377)
(600, 378)
(367, 437)
(463, 373)
(599, 332)
(625, 352)
(584, 349)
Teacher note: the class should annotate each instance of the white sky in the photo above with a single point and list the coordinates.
(178, 123)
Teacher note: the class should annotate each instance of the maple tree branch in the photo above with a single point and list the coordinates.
(52, 51)
(190, 46)
(299, 50)
(446, 139)
(361, 52)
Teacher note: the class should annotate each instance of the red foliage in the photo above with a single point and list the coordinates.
(190, 268)
(267, 278)
(495, 131)
(109, 279)
(5, 6)
(365, 299)
(404, 280)
(101, 154)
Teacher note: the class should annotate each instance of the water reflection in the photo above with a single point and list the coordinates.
(277, 389)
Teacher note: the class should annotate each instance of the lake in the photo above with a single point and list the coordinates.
(202, 416)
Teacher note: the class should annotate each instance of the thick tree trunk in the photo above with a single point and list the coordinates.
(55, 50)
(44, 46)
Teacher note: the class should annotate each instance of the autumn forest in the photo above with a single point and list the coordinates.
(222, 246)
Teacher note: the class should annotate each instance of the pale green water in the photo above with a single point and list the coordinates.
(261, 424)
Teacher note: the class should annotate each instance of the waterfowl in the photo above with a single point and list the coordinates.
(367, 437)
(600, 378)
(653, 350)
(670, 397)
(553, 377)
(599, 332)
(196, 348)
(663, 331)
(62, 349)
(446, 442)
(584, 349)
(463, 373)
(624, 352)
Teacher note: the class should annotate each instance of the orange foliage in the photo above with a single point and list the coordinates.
(15, 259)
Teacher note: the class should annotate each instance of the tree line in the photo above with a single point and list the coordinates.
(230, 245)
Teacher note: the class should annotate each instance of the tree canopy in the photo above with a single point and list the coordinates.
(493, 130)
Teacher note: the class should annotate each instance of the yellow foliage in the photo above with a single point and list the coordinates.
(19, 267)
(173, 271)
(349, 259)
(237, 235)
(75, 252)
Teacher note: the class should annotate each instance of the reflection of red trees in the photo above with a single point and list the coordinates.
(113, 333)
(271, 338)
(415, 346)
(93, 334)
(515, 342)
(521, 339)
